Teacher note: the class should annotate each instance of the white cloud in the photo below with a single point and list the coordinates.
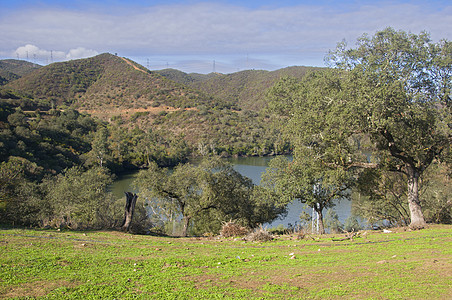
(80, 52)
(35, 54)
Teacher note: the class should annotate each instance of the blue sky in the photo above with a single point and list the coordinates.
(205, 36)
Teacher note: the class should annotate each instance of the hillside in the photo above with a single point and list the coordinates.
(184, 78)
(212, 112)
(105, 82)
(12, 69)
(245, 89)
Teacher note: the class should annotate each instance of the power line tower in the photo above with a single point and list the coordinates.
(214, 65)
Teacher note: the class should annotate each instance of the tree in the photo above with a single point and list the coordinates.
(131, 200)
(197, 192)
(400, 85)
(20, 198)
(178, 192)
(307, 181)
(100, 151)
(436, 194)
(79, 199)
(390, 95)
(332, 221)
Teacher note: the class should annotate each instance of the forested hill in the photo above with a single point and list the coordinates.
(244, 89)
(104, 83)
(186, 78)
(12, 69)
(212, 112)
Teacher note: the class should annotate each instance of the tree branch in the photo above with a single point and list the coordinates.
(353, 165)
(394, 150)
(206, 208)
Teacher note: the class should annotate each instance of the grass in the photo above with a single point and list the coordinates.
(51, 264)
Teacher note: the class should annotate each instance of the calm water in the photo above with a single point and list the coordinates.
(253, 168)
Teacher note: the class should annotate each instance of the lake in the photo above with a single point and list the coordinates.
(251, 167)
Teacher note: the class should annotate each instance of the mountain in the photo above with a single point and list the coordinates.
(245, 89)
(213, 112)
(118, 90)
(105, 83)
(186, 78)
(12, 69)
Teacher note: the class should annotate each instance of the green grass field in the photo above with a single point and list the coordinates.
(114, 265)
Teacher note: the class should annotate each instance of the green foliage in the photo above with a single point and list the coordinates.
(393, 89)
(400, 84)
(102, 81)
(244, 90)
(204, 195)
(352, 224)
(11, 69)
(79, 199)
(20, 197)
(107, 85)
(53, 140)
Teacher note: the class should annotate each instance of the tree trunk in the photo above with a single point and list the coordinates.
(416, 215)
(319, 211)
(131, 200)
(186, 220)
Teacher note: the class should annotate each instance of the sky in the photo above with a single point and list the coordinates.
(222, 36)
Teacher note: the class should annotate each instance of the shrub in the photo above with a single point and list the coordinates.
(352, 224)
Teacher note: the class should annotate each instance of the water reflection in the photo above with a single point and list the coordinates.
(254, 167)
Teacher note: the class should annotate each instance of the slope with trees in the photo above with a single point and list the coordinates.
(127, 95)
(245, 90)
(103, 81)
(12, 69)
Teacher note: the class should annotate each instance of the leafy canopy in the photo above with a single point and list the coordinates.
(389, 97)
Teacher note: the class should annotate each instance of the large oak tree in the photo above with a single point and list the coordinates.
(392, 88)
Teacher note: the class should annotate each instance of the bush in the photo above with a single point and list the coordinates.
(352, 224)
(80, 199)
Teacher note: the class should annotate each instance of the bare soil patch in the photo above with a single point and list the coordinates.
(36, 288)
